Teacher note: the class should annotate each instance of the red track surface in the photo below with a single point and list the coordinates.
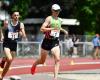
(67, 64)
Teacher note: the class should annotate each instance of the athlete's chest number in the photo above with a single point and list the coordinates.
(54, 33)
(13, 35)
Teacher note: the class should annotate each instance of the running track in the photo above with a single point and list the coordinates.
(23, 65)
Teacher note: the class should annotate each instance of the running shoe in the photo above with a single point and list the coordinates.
(33, 69)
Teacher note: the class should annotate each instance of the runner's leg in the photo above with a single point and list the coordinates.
(9, 56)
(3, 62)
(41, 60)
(56, 53)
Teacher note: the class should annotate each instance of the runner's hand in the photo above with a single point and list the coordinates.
(24, 39)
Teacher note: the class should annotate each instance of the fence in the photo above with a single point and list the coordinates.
(28, 49)
(83, 49)
(32, 49)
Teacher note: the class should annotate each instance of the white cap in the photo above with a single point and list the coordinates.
(56, 7)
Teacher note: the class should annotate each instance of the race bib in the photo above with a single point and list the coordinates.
(55, 33)
(13, 35)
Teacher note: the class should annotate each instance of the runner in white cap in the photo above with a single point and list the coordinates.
(51, 28)
(56, 7)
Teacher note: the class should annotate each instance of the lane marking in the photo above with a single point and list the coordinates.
(27, 66)
(75, 63)
(72, 62)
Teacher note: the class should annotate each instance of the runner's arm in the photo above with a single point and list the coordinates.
(22, 32)
(1, 34)
(63, 30)
(45, 24)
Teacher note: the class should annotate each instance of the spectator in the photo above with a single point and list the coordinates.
(75, 40)
(96, 43)
(69, 46)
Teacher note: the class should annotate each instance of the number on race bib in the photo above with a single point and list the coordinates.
(13, 35)
(54, 33)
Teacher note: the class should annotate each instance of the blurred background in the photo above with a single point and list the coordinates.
(80, 18)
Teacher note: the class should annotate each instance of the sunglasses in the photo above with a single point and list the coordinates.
(57, 10)
(16, 15)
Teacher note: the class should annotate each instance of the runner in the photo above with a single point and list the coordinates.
(10, 33)
(51, 28)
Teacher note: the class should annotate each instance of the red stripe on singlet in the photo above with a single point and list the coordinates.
(47, 35)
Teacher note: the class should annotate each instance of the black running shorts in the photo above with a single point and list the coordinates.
(12, 45)
(48, 44)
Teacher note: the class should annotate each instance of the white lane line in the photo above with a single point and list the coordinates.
(72, 63)
(27, 66)
(87, 63)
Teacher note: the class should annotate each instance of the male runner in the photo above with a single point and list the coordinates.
(51, 28)
(10, 33)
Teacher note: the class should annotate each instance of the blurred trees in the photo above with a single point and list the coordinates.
(88, 13)
(30, 8)
(41, 8)
(20, 5)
